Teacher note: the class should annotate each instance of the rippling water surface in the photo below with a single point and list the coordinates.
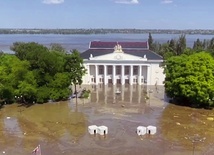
(62, 127)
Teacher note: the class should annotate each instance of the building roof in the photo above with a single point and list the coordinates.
(150, 55)
(125, 45)
(140, 49)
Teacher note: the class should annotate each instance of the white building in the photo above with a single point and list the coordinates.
(122, 63)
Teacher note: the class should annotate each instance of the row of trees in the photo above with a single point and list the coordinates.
(189, 71)
(37, 74)
(176, 47)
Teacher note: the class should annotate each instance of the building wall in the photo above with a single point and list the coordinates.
(153, 75)
(157, 75)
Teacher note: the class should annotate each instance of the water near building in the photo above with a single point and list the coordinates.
(62, 127)
(80, 41)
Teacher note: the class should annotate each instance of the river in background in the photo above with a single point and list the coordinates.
(81, 41)
(61, 128)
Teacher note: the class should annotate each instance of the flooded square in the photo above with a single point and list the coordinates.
(62, 127)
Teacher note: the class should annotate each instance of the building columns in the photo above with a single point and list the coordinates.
(93, 72)
(114, 81)
(131, 75)
(139, 75)
(148, 75)
(96, 74)
(105, 75)
(122, 75)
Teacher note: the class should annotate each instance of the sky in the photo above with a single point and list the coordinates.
(118, 14)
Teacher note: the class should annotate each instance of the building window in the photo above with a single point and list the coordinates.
(101, 69)
(127, 70)
(118, 70)
(109, 69)
(135, 70)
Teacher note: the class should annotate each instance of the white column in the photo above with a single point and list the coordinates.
(148, 79)
(96, 74)
(105, 75)
(122, 75)
(89, 75)
(114, 75)
(139, 75)
(131, 75)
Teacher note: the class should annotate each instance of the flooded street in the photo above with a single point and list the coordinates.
(62, 127)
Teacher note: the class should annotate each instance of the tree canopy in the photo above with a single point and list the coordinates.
(37, 74)
(190, 79)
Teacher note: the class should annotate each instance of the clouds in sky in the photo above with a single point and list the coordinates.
(167, 1)
(52, 1)
(127, 1)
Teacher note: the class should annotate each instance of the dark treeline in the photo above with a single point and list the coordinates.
(103, 31)
(176, 47)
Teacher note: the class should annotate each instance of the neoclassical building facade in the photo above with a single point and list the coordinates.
(122, 63)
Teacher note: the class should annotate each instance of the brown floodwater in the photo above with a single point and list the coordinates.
(62, 127)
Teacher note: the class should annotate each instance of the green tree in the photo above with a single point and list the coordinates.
(57, 47)
(74, 64)
(150, 42)
(210, 47)
(15, 79)
(166, 51)
(181, 45)
(59, 86)
(190, 79)
(198, 45)
(172, 46)
(50, 69)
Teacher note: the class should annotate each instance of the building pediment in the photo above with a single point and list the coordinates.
(118, 56)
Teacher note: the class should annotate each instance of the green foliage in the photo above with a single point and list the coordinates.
(57, 47)
(150, 42)
(198, 45)
(14, 77)
(190, 79)
(38, 74)
(74, 65)
(85, 94)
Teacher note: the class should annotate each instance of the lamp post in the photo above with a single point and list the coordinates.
(195, 139)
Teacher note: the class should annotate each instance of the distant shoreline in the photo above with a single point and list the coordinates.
(106, 31)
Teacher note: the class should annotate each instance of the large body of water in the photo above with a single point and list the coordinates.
(81, 41)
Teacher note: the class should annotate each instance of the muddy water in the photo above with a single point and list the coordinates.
(61, 128)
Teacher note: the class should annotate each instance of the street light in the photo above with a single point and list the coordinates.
(195, 139)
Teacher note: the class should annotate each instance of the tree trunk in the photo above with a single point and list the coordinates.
(75, 89)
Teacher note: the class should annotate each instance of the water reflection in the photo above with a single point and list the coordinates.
(61, 128)
(128, 94)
